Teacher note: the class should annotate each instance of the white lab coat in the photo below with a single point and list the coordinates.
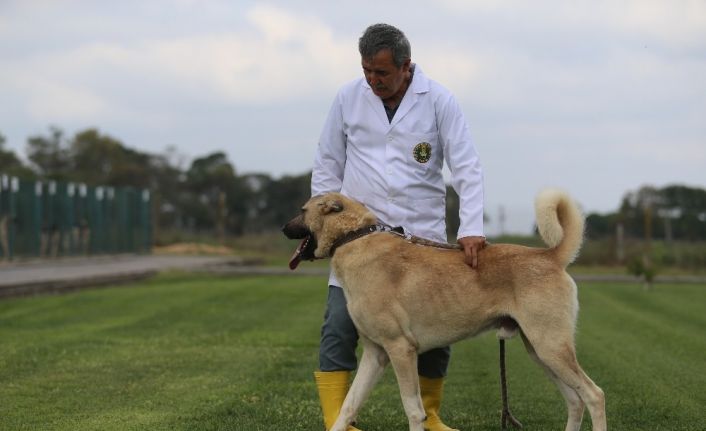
(364, 156)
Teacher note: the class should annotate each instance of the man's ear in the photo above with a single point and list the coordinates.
(331, 205)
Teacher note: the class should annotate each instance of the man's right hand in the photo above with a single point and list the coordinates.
(471, 246)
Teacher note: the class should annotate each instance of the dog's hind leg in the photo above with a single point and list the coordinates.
(555, 352)
(573, 402)
(372, 365)
(403, 356)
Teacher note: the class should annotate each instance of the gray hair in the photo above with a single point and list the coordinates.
(378, 37)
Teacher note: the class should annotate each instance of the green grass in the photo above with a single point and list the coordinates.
(187, 352)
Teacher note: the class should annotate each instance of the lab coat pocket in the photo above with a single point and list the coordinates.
(422, 151)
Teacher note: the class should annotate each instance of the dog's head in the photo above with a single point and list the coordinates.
(322, 220)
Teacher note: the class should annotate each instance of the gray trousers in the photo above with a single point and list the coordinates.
(339, 339)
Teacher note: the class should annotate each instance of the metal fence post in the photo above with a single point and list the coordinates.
(145, 221)
(6, 245)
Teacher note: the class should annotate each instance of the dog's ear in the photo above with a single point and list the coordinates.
(331, 205)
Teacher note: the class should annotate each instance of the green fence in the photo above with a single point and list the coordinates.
(50, 219)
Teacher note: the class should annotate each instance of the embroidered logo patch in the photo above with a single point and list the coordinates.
(422, 152)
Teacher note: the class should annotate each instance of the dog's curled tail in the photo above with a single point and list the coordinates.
(560, 224)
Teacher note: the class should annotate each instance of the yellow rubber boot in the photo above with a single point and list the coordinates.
(333, 387)
(431, 390)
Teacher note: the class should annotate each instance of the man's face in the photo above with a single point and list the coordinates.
(384, 77)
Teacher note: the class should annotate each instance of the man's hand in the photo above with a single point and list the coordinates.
(471, 246)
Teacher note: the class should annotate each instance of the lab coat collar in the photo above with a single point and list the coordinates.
(420, 84)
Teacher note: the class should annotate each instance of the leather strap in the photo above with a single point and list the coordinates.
(367, 230)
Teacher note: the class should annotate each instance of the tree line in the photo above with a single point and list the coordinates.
(674, 212)
(208, 194)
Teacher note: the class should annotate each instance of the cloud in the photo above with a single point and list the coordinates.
(282, 57)
(451, 66)
(678, 22)
(278, 56)
(63, 102)
(595, 96)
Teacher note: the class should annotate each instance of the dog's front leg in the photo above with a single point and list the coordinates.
(372, 365)
(403, 356)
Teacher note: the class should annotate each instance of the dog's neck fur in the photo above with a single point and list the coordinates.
(332, 229)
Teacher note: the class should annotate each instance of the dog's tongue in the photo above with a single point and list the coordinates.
(297, 256)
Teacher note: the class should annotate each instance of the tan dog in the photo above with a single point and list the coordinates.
(406, 298)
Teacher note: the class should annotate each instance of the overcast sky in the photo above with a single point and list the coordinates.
(596, 97)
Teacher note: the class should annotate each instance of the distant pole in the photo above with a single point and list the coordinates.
(221, 218)
(4, 217)
(620, 242)
(648, 228)
(501, 219)
(646, 260)
(668, 215)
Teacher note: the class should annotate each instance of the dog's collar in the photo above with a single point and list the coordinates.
(359, 233)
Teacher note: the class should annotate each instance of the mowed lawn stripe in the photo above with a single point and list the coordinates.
(133, 355)
(193, 352)
(645, 360)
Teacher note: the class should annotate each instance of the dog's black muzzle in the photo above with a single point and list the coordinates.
(296, 229)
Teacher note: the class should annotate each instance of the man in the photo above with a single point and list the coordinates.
(384, 144)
